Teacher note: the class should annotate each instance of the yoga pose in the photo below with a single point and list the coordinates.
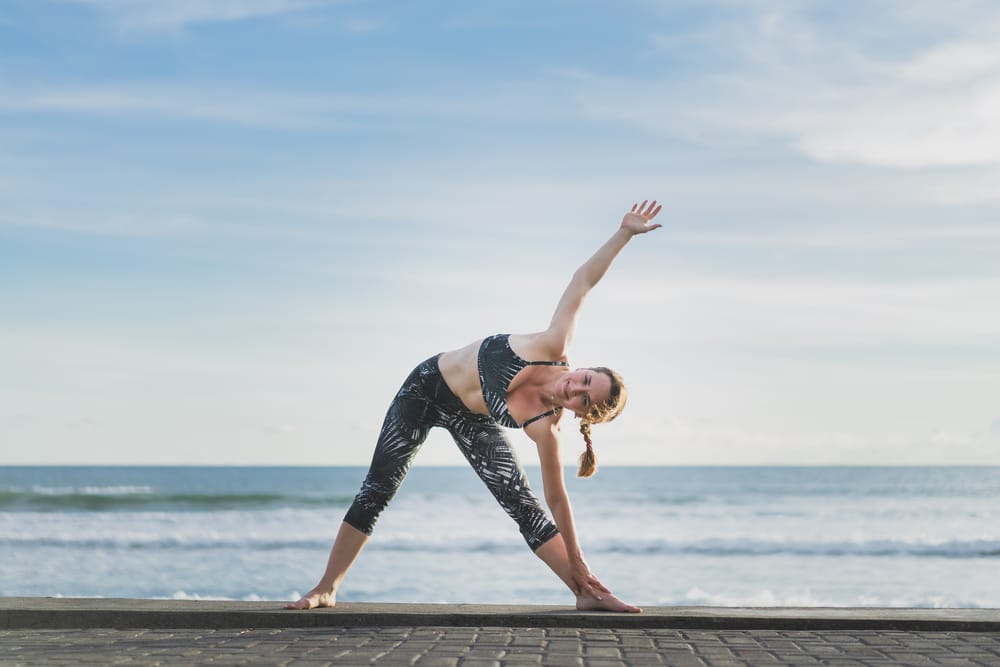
(517, 381)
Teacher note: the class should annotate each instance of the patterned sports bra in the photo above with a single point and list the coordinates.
(498, 364)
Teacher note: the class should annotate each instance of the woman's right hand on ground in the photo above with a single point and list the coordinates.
(592, 595)
(585, 583)
(637, 221)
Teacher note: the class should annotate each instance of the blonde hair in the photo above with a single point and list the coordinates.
(602, 412)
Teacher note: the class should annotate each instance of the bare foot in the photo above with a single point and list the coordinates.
(314, 599)
(607, 602)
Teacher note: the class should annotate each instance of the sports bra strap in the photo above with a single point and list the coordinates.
(553, 410)
(541, 416)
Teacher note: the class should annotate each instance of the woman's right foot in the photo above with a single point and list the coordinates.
(314, 599)
(607, 602)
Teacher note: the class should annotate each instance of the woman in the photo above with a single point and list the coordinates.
(472, 392)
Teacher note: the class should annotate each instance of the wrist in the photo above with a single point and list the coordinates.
(325, 587)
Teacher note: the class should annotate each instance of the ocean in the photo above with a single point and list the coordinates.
(734, 536)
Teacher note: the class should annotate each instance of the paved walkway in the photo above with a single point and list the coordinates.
(497, 647)
(145, 632)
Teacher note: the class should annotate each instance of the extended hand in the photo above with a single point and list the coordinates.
(592, 595)
(585, 583)
(637, 220)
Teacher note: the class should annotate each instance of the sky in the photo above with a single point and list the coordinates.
(229, 229)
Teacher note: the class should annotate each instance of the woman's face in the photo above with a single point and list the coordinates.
(581, 389)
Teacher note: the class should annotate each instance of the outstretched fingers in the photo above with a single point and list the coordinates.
(590, 585)
(597, 587)
(647, 209)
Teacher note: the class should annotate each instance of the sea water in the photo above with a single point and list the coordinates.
(745, 536)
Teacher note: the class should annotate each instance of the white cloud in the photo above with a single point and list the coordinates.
(362, 26)
(283, 109)
(220, 105)
(841, 239)
(891, 124)
(115, 224)
(953, 63)
(824, 90)
(824, 94)
(729, 314)
(818, 89)
(965, 186)
(173, 14)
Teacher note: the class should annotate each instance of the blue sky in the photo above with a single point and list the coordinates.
(229, 229)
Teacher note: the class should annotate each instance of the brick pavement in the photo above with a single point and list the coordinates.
(439, 646)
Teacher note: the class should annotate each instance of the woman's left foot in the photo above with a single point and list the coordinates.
(607, 602)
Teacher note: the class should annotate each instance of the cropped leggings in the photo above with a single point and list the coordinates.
(425, 401)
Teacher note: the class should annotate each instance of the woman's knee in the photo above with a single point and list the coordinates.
(369, 503)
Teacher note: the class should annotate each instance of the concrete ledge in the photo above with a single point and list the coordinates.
(82, 613)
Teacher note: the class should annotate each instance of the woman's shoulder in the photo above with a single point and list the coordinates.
(537, 347)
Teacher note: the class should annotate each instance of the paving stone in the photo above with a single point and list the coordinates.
(685, 661)
(436, 661)
(562, 632)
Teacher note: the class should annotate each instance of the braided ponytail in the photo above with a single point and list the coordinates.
(600, 413)
(588, 460)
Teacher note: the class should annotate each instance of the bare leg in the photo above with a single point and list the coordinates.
(553, 553)
(345, 549)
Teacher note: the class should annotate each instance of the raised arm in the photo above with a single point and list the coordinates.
(637, 221)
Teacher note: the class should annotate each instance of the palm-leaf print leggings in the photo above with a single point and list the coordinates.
(425, 401)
